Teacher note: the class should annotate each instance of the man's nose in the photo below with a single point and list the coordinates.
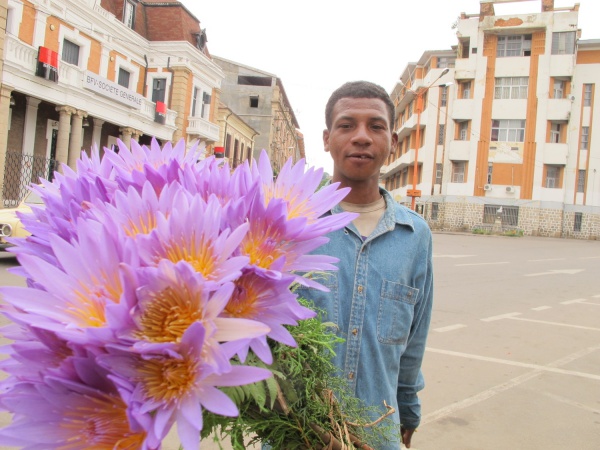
(362, 135)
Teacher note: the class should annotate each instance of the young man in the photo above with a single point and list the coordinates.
(381, 297)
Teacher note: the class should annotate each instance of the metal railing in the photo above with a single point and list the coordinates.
(20, 171)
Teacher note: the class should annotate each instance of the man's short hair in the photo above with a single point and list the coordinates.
(358, 89)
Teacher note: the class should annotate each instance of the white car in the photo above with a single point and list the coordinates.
(10, 224)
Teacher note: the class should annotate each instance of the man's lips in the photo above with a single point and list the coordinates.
(364, 156)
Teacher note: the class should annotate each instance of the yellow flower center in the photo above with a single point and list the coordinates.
(168, 380)
(168, 314)
(263, 246)
(242, 303)
(89, 308)
(200, 255)
(101, 424)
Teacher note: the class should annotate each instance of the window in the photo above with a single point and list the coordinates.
(228, 146)
(509, 215)
(463, 49)
(577, 221)
(462, 131)
(489, 173)
(444, 99)
(435, 210)
(552, 179)
(555, 132)
(129, 13)
(439, 170)
(558, 89)
(585, 138)
(444, 63)
(518, 45)
(159, 87)
(563, 43)
(464, 89)
(458, 171)
(70, 52)
(124, 77)
(254, 101)
(441, 133)
(511, 87)
(195, 96)
(206, 97)
(581, 181)
(508, 130)
(587, 94)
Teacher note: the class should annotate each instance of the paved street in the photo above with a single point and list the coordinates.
(513, 359)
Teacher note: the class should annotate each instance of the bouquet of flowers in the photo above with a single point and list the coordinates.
(155, 282)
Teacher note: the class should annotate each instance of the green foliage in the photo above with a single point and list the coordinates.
(514, 233)
(283, 410)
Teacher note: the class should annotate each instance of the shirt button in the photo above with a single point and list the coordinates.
(355, 331)
(360, 289)
(351, 376)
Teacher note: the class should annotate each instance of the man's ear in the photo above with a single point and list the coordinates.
(326, 139)
(394, 142)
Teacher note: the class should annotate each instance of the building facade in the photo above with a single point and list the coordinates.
(505, 127)
(85, 73)
(259, 98)
(237, 137)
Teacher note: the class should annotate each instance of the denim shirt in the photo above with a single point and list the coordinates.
(381, 301)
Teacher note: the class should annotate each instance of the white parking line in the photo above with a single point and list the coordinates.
(450, 328)
(484, 395)
(501, 316)
(580, 327)
(541, 308)
(543, 260)
(570, 302)
(483, 264)
(549, 368)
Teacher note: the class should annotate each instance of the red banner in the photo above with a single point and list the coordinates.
(160, 113)
(47, 65)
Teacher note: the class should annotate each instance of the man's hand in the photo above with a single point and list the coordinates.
(406, 436)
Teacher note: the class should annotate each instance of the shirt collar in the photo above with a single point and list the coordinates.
(393, 213)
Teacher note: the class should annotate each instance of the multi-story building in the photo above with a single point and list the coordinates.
(87, 72)
(505, 126)
(260, 100)
(236, 135)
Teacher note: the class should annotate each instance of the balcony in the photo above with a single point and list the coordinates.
(205, 130)
(459, 150)
(559, 109)
(465, 68)
(70, 90)
(556, 154)
(463, 109)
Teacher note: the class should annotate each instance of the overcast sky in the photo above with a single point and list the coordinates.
(316, 46)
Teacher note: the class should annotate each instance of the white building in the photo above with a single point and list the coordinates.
(506, 122)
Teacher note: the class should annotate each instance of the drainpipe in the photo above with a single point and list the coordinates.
(171, 83)
(146, 76)
(225, 133)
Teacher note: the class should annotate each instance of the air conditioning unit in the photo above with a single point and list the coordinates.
(510, 189)
(487, 187)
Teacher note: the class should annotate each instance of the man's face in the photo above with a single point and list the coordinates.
(360, 139)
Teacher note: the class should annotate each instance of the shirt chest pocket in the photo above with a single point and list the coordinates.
(396, 312)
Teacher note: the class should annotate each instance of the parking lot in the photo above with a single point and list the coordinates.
(513, 358)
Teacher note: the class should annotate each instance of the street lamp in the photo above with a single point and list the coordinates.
(414, 192)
